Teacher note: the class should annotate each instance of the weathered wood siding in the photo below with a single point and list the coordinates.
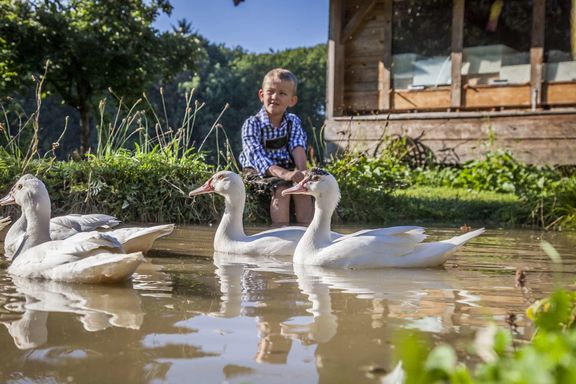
(364, 49)
(535, 138)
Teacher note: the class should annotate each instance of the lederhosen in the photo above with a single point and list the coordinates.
(269, 183)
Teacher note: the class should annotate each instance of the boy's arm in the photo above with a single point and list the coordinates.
(299, 156)
(295, 176)
(252, 145)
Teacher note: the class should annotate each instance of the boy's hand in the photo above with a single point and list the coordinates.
(295, 176)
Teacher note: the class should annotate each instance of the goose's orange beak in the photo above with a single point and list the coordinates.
(207, 187)
(298, 189)
(7, 200)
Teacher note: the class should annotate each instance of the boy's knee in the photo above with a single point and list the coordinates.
(278, 193)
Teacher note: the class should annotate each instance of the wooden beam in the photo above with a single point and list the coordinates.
(385, 65)
(363, 9)
(493, 96)
(557, 94)
(456, 56)
(335, 65)
(537, 52)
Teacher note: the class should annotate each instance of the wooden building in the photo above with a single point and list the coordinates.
(459, 75)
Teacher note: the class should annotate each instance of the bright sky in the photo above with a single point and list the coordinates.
(255, 25)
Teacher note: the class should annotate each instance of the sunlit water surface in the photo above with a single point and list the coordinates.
(191, 316)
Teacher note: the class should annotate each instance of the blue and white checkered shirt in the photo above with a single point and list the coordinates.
(257, 129)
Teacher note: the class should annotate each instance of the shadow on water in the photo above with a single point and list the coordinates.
(190, 313)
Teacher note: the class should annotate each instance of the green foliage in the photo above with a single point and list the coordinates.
(92, 45)
(546, 193)
(135, 188)
(366, 184)
(497, 171)
(555, 312)
(563, 205)
(549, 358)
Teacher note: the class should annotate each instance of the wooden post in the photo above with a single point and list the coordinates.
(456, 56)
(385, 65)
(537, 52)
(335, 67)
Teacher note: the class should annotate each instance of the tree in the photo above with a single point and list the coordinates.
(92, 45)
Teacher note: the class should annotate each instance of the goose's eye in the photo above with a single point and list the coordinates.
(19, 186)
(315, 178)
(220, 177)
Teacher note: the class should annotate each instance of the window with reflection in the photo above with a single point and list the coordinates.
(421, 42)
(497, 38)
(560, 41)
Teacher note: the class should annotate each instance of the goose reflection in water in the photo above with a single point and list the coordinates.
(241, 283)
(392, 291)
(98, 307)
(236, 276)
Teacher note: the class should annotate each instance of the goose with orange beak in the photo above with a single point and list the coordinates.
(88, 257)
(400, 247)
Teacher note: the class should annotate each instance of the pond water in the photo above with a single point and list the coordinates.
(191, 316)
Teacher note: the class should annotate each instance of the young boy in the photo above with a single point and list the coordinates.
(274, 146)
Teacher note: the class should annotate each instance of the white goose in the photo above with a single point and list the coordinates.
(385, 247)
(230, 236)
(133, 239)
(88, 257)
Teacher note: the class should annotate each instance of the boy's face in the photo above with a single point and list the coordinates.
(276, 96)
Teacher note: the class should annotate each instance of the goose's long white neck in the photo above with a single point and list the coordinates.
(37, 223)
(318, 234)
(231, 227)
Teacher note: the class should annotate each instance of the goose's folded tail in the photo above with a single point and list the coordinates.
(103, 268)
(141, 239)
(459, 240)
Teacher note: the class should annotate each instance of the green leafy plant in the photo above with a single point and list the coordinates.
(549, 358)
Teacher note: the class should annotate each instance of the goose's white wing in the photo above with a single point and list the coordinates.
(62, 227)
(35, 261)
(368, 251)
(384, 232)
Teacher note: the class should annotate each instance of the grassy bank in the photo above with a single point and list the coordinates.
(148, 188)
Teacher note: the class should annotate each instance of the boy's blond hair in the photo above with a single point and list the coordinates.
(282, 75)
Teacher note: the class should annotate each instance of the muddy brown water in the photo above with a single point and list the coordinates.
(192, 316)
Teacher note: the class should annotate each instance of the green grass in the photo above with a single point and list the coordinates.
(443, 204)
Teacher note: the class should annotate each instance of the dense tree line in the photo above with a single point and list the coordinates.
(94, 49)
